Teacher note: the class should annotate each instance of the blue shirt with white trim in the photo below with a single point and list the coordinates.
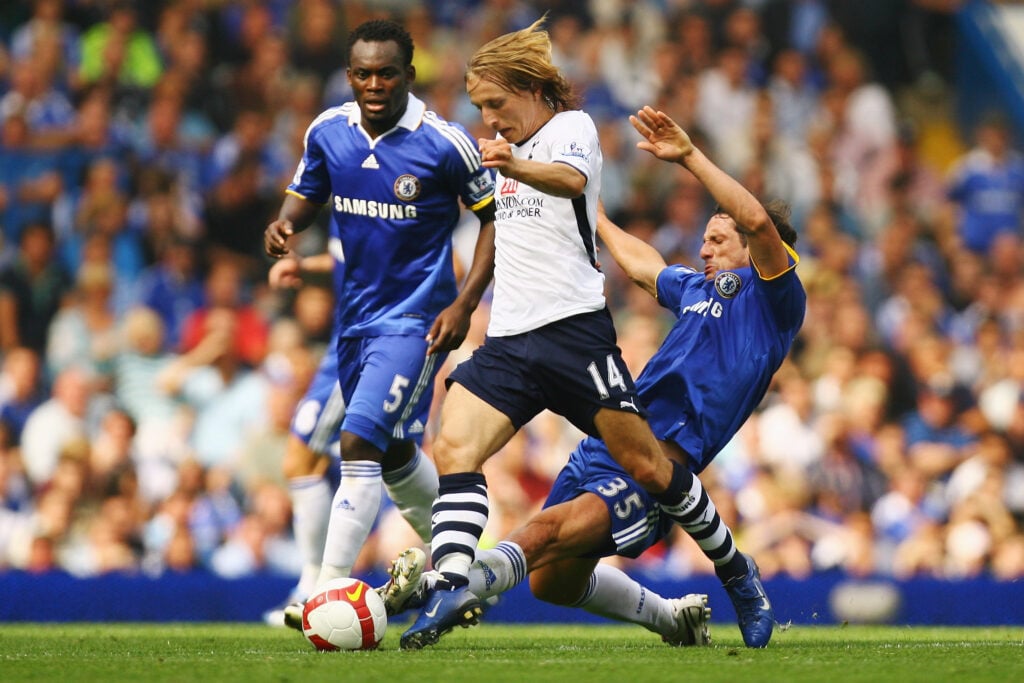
(394, 202)
(717, 361)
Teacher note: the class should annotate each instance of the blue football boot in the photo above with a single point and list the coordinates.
(443, 610)
(753, 610)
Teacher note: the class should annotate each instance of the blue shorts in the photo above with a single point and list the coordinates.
(571, 367)
(318, 415)
(388, 384)
(636, 519)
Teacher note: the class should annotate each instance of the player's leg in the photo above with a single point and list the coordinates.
(410, 480)
(471, 431)
(609, 592)
(490, 396)
(386, 378)
(313, 431)
(600, 511)
(586, 380)
(737, 571)
(311, 492)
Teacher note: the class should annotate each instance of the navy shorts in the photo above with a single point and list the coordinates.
(571, 367)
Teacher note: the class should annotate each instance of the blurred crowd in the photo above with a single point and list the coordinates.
(149, 374)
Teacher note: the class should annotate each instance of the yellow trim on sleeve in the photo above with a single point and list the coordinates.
(305, 198)
(482, 203)
(791, 252)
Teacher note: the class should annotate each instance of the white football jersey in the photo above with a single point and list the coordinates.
(545, 262)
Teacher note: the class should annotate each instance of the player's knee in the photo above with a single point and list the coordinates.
(451, 455)
(646, 473)
(299, 461)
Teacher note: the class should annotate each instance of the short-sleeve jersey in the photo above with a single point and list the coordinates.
(716, 363)
(545, 261)
(991, 195)
(394, 205)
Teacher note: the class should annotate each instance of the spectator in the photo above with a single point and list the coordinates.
(47, 24)
(21, 391)
(84, 332)
(47, 111)
(30, 181)
(56, 423)
(228, 400)
(987, 186)
(160, 441)
(172, 286)
(119, 53)
(33, 287)
(226, 287)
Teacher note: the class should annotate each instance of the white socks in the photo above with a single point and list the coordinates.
(353, 512)
(311, 505)
(413, 489)
(612, 594)
(496, 570)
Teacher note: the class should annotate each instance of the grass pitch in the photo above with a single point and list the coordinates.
(492, 653)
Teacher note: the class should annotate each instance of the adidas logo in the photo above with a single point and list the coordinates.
(370, 162)
(489, 576)
(416, 427)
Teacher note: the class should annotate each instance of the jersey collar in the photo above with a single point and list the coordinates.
(410, 120)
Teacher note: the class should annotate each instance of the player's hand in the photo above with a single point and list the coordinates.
(285, 274)
(449, 329)
(662, 136)
(495, 152)
(275, 238)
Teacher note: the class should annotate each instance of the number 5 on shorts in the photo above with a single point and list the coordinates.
(397, 394)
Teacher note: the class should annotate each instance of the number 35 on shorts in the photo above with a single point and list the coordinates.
(626, 504)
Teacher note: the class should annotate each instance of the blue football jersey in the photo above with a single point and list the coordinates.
(716, 363)
(394, 202)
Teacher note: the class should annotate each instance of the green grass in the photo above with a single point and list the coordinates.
(492, 653)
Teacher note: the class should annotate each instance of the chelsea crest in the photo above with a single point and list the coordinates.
(727, 284)
(407, 187)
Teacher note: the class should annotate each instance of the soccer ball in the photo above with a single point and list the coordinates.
(345, 614)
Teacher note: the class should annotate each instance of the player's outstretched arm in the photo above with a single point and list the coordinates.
(666, 140)
(640, 261)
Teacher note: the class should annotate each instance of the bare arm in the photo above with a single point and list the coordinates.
(286, 273)
(666, 140)
(640, 261)
(172, 378)
(8, 322)
(556, 179)
(452, 324)
(296, 215)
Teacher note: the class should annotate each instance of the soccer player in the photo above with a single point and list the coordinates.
(550, 340)
(307, 457)
(393, 175)
(736, 321)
